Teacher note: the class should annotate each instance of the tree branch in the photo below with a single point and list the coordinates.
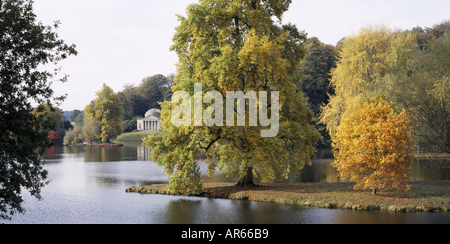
(211, 143)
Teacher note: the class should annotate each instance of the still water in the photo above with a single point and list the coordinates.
(87, 185)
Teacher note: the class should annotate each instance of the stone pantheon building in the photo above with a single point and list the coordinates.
(151, 122)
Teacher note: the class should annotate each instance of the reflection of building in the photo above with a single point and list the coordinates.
(151, 122)
(143, 153)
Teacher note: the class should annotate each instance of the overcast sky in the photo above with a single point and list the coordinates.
(122, 41)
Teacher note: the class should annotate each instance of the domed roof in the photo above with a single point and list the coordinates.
(153, 112)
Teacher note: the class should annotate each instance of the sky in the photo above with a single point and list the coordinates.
(121, 42)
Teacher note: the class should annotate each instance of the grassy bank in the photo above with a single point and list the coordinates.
(428, 196)
(134, 136)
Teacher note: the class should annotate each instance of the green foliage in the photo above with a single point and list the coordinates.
(91, 129)
(57, 121)
(419, 82)
(74, 115)
(107, 110)
(26, 44)
(74, 136)
(79, 120)
(129, 125)
(316, 66)
(232, 46)
(150, 92)
(411, 68)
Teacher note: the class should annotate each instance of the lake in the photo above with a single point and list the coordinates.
(87, 185)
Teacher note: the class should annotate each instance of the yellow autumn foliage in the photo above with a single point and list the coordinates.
(373, 146)
(236, 46)
(363, 61)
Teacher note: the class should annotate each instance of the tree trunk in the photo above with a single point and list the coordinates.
(248, 179)
(374, 191)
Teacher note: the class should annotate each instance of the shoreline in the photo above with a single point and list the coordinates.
(424, 196)
(100, 145)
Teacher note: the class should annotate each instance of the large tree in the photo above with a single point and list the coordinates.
(151, 91)
(421, 82)
(362, 63)
(230, 46)
(25, 45)
(107, 109)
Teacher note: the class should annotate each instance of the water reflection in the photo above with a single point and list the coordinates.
(422, 170)
(143, 153)
(87, 185)
(321, 171)
(431, 169)
(192, 210)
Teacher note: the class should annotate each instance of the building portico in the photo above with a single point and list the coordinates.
(151, 122)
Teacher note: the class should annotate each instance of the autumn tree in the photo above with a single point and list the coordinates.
(231, 46)
(107, 110)
(362, 62)
(409, 67)
(52, 135)
(26, 45)
(373, 146)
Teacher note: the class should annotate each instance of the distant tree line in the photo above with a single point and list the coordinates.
(58, 121)
(137, 100)
(410, 68)
(111, 113)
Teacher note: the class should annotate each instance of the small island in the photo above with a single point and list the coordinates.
(424, 196)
